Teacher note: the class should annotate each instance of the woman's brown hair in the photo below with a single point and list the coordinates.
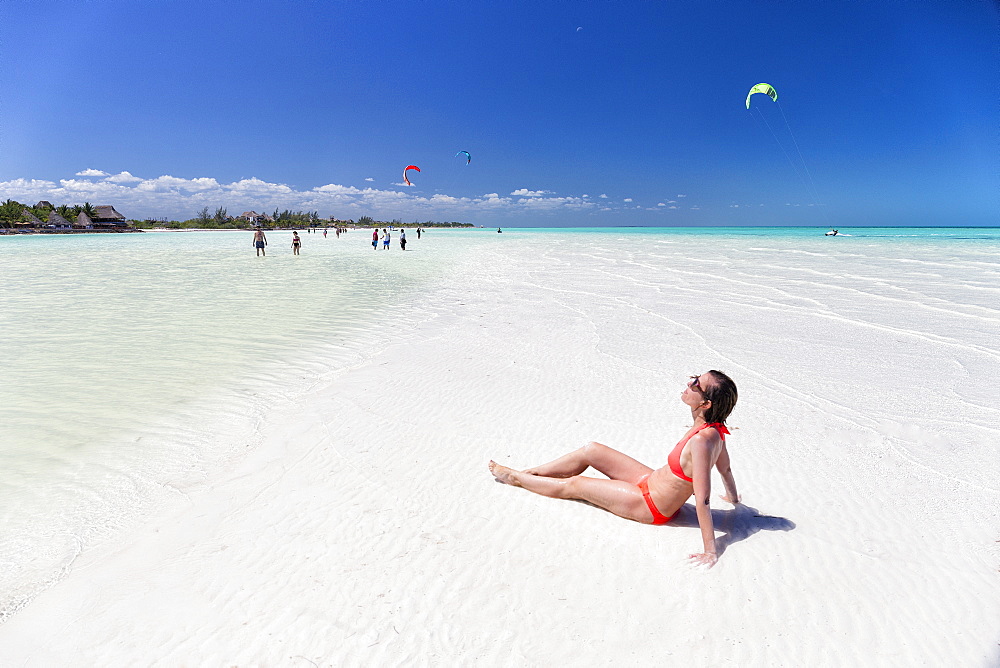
(723, 395)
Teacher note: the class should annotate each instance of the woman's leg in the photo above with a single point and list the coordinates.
(618, 496)
(616, 465)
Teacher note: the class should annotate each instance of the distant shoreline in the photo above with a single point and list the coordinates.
(31, 231)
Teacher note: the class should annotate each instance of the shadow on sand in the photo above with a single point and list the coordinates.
(738, 523)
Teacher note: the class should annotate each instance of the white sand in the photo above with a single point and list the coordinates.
(368, 531)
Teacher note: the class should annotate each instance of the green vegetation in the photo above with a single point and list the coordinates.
(302, 218)
(12, 213)
(280, 220)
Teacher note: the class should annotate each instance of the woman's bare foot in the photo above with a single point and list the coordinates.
(504, 474)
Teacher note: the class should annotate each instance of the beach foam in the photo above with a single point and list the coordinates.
(365, 528)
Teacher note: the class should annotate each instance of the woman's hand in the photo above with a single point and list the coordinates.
(704, 559)
(729, 499)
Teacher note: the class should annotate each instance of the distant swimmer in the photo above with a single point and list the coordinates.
(259, 241)
(499, 231)
(296, 243)
(375, 239)
(402, 239)
(832, 233)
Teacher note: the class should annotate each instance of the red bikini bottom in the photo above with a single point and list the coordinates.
(658, 517)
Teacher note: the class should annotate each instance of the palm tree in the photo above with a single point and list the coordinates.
(9, 212)
(89, 209)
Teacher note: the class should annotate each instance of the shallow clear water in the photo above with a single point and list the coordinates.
(135, 364)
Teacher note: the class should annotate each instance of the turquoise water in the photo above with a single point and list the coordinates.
(135, 365)
(928, 233)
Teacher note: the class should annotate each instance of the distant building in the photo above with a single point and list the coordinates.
(105, 214)
(44, 204)
(28, 219)
(83, 222)
(255, 218)
(57, 222)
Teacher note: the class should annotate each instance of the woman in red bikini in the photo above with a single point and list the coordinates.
(635, 491)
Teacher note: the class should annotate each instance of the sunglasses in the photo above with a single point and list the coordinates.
(694, 385)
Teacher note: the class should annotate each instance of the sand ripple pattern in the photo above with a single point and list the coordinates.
(363, 529)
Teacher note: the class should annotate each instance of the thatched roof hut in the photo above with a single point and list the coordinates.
(29, 219)
(57, 221)
(44, 204)
(83, 221)
(105, 213)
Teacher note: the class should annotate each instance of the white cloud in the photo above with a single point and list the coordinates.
(603, 196)
(91, 172)
(682, 195)
(172, 184)
(671, 201)
(493, 201)
(123, 177)
(660, 204)
(627, 199)
(369, 179)
(180, 198)
(334, 189)
(79, 185)
(26, 188)
(553, 203)
(256, 186)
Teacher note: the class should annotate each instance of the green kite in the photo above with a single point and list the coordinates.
(766, 89)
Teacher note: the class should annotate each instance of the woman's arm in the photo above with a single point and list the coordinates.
(726, 471)
(701, 462)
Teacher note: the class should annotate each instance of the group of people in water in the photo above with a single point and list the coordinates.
(386, 238)
(260, 239)
(638, 492)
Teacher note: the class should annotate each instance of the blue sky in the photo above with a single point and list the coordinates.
(597, 113)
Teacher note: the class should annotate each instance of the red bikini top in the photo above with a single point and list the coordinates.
(674, 460)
